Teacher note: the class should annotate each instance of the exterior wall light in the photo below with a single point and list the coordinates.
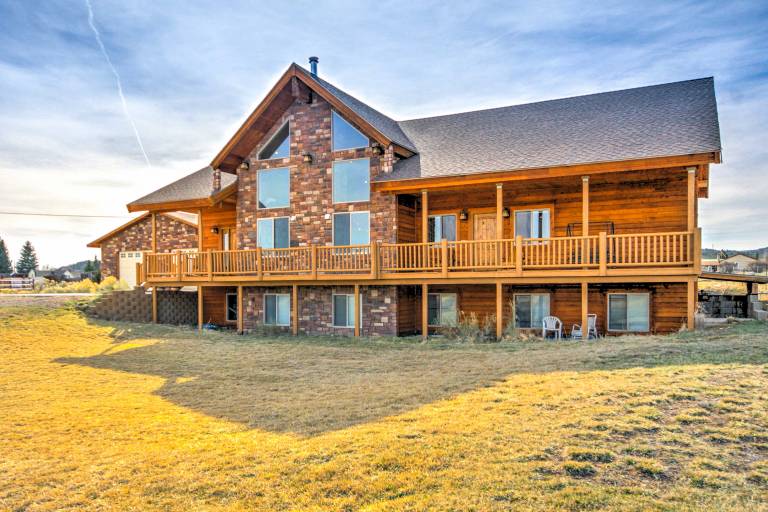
(307, 158)
(505, 212)
(376, 148)
(215, 230)
(244, 165)
(463, 215)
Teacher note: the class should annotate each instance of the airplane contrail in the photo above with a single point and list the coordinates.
(117, 79)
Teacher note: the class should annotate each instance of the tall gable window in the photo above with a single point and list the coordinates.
(346, 136)
(351, 181)
(274, 188)
(279, 146)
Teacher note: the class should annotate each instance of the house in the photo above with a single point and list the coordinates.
(710, 265)
(323, 215)
(123, 247)
(738, 262)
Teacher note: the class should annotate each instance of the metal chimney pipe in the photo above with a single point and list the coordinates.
(313, 65)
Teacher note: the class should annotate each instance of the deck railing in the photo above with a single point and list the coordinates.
(597, 253)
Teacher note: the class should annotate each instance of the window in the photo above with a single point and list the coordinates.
(530, 309)
(231, 307)
(274, 188)
(351, 181)
(441, 309)
(277, 309)
(346, 136)
(628, 312)
(344, 310)
(442, 227)
(279, 146)
(273, 233)
(351, 228)
(532, 223)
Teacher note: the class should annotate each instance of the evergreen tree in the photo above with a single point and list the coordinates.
(5, 259)
(27, 260)
(88, 266)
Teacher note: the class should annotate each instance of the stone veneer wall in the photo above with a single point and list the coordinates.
(378, 303)
(311, 198)
(171, 234)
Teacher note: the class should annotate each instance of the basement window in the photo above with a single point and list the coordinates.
(441, 309)
(231, 307)
(344, 310)
(628, 312)
(277, 309)
(279, 146)
(346, 136)
(530, 309)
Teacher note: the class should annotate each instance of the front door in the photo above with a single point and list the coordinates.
(485, 226)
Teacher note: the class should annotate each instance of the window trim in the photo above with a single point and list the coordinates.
(455, 225)
(258, 188)
(333, 180)
(333, 226)
(268, 141)
(367, 138)
(440, 294)
(277, 304)
(608, 312)
(226, 306)
(514, 307)
(272, 219)
(532, 208)
(333, 309)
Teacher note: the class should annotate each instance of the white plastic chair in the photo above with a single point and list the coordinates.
(577, 334)
(551, 324)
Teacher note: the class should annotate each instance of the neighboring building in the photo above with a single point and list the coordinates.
(124, 247)
(710, 265)
(737, 263)
(324, 215)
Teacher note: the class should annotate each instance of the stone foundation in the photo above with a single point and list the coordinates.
(378, 303)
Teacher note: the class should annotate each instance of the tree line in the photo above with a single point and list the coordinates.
(27, 259)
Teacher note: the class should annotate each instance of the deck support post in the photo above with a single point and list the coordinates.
(295, 310)
(154, 304)
(200, 230)
(499, 310)
(259, 269)
(697, 251)
(584, 311)
(691, 310)
(240, 319)
(691, 198)
(200, 308)
(519, 255)
(444, 257)
(154, 232)
(424, 217)
(499, 220)
(374, 260)
(313, 261)
(357, 310)
(210, 264)
(585, 218)
(603, 253)
(424, 310)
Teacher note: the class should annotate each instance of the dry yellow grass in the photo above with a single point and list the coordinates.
(125, 417)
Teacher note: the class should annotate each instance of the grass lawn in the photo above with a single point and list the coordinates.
(107, 416)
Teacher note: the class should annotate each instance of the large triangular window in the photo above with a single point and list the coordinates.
(346, 136)
(279, 146)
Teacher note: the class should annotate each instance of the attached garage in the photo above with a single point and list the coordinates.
(127, 266)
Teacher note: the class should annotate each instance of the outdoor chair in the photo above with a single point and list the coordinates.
(552, 324)
(577, 334)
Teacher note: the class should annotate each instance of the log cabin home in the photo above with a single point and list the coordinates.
(322, 215)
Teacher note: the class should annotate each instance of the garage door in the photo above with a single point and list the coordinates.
(128, 261)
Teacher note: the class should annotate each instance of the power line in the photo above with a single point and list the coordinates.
(65, 215)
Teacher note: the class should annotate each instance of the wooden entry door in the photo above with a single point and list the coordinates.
(485, 226)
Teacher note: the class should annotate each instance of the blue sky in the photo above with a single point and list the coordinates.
(192, 71)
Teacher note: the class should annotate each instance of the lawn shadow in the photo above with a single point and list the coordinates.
(308, 388)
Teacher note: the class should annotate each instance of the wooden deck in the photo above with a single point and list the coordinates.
(603, 255)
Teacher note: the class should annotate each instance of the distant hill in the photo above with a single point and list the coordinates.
(712, 253)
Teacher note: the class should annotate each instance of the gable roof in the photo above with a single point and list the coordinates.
(193, 190)
(387, 126)
(678, 118)
(186, 218)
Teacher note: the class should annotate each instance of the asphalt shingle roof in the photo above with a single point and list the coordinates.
(671, 119)
(198, 185)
